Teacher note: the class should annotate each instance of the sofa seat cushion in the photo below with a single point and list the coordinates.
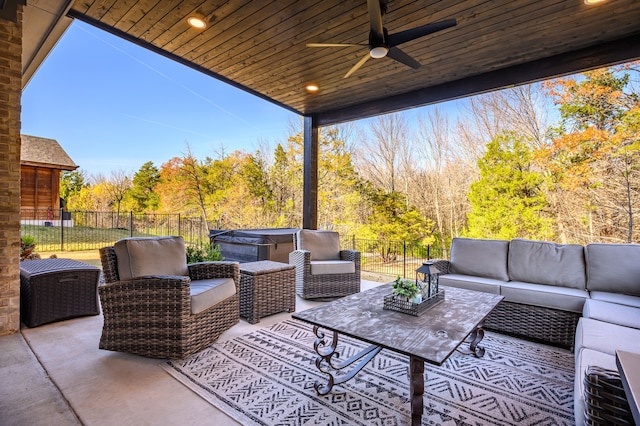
(486, 285)
(210, 292)
(145, 256)
(613, 313)
(482, 258)
(613, 268)
(542, 262)
(606, 337)
(323, 245)
(329, 267)
(585, 358)
(620, 299)
(545, 296)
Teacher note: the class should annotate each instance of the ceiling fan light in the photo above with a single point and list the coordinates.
(312, 87)
(378, 52)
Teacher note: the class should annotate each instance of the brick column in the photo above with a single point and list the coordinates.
(10, 93)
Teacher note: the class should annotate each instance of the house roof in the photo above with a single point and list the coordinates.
(44, 152)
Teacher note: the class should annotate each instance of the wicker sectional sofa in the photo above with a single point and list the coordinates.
(585, 298)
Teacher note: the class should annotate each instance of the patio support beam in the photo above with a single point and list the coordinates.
(310, 177)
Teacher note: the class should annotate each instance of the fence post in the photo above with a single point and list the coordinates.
(179, 223)
(61, 231)
(404, 258)
(130, 223)
(429, 252)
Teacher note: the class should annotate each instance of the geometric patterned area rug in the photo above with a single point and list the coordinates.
(266, 378)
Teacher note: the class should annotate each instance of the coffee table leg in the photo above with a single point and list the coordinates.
(476, 337)
(327, 355)
(416, 389)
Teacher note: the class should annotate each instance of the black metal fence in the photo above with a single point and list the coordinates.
(85, 230)
(393, 258)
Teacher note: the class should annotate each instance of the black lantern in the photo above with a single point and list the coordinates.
(427, 279)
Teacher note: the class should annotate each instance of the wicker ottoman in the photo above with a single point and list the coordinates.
(56, 289)
(266, 288)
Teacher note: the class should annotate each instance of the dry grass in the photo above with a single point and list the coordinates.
(92, 257)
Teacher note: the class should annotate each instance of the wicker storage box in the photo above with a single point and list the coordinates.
(57, 289)
(266, 288)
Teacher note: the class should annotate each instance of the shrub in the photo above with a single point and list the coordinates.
(27, 245)
(206, 253)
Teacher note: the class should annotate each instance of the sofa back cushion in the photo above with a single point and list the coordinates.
(481, 258)
(613, 268)
(323, 245)
(541, 262)
(139, 257)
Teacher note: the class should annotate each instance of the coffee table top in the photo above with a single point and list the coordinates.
(432, 336)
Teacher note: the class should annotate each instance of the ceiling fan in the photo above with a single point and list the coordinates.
(383, 44)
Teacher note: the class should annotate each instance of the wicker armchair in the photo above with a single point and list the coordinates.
(604, 398)
(322, 269)
(153, 316)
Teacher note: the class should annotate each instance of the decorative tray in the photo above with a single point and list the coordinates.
(408, 307)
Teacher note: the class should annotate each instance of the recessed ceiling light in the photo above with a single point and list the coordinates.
(592, 2)
(197, 21)
(312, 87)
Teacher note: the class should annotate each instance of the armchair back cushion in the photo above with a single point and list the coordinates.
(482, 258)
(138, 257)
(323, 245)
(542, 262)
(613, 268)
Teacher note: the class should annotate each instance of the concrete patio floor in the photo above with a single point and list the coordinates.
(56, 375)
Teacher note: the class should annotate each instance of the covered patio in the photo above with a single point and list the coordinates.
(260, 47)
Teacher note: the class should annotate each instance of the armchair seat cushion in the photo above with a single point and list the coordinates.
(208, 293)
(140, 257)
(328, 267)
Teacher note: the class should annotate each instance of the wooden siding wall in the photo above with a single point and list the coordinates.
(40, 188)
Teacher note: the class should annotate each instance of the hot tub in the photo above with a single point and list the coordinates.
(251, 245)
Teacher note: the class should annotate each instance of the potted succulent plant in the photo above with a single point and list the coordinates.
(406, 289)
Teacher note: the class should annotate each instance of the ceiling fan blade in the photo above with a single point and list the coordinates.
(375, 19)
(400, 56)
(334, 45)
(357, 66)
(414, 33)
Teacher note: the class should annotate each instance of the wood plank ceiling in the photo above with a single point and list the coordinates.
(260, 46)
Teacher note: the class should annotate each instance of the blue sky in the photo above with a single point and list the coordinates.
(113, 105)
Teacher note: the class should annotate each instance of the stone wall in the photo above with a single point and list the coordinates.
(10, 93)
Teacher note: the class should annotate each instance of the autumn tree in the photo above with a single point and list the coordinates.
(594, 157)
(508, 201)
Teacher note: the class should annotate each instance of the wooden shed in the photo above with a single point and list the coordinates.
(41, 161)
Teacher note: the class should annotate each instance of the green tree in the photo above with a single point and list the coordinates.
(71, 183)
(508, 201)
(144, 183)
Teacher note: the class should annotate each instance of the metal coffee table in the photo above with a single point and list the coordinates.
(431, 337)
